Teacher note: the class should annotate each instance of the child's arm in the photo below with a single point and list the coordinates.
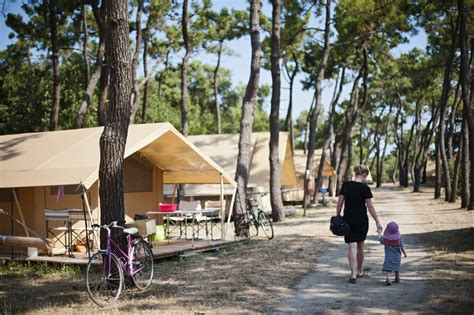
(402, 248)
(381, 238)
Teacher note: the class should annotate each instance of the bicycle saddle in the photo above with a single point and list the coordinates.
(131, 230)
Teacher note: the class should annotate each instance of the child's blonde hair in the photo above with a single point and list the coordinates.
(360, 169)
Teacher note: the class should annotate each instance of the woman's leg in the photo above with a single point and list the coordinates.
(360, 257)
(352, 256)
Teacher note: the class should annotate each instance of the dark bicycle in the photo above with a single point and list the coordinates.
(255, 220)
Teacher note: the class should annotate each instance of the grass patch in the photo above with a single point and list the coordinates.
(36, 269)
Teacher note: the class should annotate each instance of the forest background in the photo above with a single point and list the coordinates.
(392, 88)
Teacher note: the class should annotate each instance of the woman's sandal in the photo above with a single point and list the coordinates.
(352, 280)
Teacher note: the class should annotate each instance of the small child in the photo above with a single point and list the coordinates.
(393, 248)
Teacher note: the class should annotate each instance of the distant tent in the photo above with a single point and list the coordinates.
(224, 150)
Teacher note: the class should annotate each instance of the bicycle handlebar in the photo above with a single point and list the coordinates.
(113, 224)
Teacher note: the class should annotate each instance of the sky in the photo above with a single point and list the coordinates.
(239, 61)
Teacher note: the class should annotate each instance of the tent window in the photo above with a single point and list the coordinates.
(6, 194)
(137, 175)
(68, 190)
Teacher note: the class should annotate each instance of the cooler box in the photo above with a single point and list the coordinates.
(145, 227)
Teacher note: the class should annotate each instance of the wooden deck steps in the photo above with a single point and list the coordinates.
(163, 249)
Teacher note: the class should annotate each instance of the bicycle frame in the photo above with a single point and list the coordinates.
(127, 266)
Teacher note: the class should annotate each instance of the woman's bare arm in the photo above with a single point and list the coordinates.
(340, 203)
(371, 209)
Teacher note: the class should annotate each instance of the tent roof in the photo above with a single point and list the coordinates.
(300, 164)
(224, 150)
(72, 157)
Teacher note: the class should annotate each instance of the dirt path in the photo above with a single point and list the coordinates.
(326, 288)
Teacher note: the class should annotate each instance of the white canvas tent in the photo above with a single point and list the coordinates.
(33, 165)
(297, 194)
(224, 150)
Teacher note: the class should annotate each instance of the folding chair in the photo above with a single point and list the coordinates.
(217, 216)
(197, 219)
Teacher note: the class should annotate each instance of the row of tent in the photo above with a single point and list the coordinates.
(49, 170)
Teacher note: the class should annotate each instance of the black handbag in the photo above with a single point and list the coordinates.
(339, 226)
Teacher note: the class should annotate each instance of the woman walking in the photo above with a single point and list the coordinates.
(356, 197)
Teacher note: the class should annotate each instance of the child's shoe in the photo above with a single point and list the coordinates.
(388, 282)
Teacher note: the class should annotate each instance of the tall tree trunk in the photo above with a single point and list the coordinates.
(437, 191)
(53, 26)
(216, 87)
(138, 49)
(332, 111)
(80, 119)
(184, 70)
(314, 114)
(85, 45)
(421, 155)
(243, 158)
(467, 87)
(452, 121)
(103, 93)
(455, 180)
(352, 117)
(145, 85)
(289, 114)
(443, 103)
(465, 186)
(380, 165)
(114, 136)
(278, 211)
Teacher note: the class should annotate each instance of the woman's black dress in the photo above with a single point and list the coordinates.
(355, 210)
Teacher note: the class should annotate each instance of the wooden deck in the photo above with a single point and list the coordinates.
(163, 249)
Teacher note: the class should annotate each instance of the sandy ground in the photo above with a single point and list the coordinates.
(326, 288)
(304, 269)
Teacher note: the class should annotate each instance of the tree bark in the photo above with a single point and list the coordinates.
(289, 115)
(184, 70)
(332, 111)
(103, 92)
(421, 155)
(467, 87)
(80, 119)
(278, 211)
(243, 158)
(53, 26)
(85, 45)
(452, 122)
(314, 114)
(465, 186)
(114, 136)
(216, 87)
(145, 85)
(135, 100)
(443, 103)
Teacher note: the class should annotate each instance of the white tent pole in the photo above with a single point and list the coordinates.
(222, 207)
(231, 209)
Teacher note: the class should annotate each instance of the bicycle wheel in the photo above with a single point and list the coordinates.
(265, 224)
(104, 278)
(142, 265)
(253, 227)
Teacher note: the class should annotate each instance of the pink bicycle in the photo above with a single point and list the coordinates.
(107, 267)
